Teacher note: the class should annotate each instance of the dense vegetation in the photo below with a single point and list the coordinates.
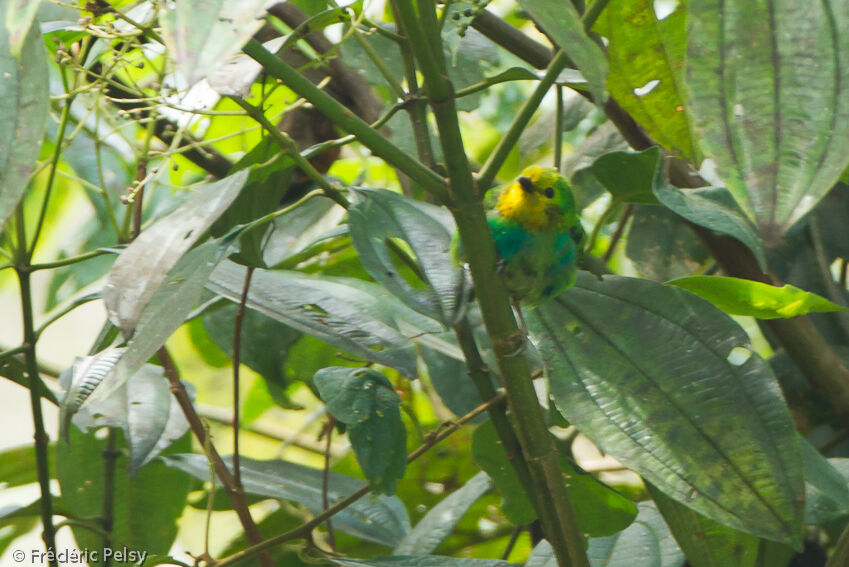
(263, 199)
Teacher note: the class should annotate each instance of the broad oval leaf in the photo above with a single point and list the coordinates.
(713, 208)
(379, 215)
(826, 490)
(561, 22)
(24, 106)
(645, 543)
(668, 384)
(755, 299)
(646, 59)
(202, 34)
(365, 401)
(441, 520)
(776, 140)
(381, 520)
(143, 267)
(352, 315)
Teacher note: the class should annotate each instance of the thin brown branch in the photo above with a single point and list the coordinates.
(234, 492)
(237, 355)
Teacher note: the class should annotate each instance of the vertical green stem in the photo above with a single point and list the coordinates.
(556, 511)
(22, 268)
(558, 130)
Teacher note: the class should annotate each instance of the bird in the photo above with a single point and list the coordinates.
(538, 235)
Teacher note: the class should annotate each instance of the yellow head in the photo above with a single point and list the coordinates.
(540, 199)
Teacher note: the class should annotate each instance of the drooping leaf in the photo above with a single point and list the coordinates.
(144, 266)
(353, 315)
(668, 385)
(202, 34)
(143, 407)
(441, 520)
(365, 401)
(18, 465)
(645, 543)
(144, 516)
(376, 217)
(646, 59)
(631, 177)
(662, 246)
(775, 140)
(755, 299)
(826, 491)
(705, 542)
(24, 104)
(713, 208)
(599, 510)
(561, 22)
(381, 520)
(166, 310)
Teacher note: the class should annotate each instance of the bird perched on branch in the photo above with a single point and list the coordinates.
(537, 234)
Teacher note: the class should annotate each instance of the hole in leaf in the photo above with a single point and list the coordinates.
(738, 356)
(647, 88)
(573, 327)
(313, 308)
(662, 8)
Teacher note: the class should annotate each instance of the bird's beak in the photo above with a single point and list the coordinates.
(527, 185)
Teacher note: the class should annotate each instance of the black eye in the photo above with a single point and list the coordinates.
(549, 192)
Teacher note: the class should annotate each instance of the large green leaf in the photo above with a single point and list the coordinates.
(145, 506)
(705, 542)
(645, 543)
(440, 520)
(767, 83)
(668, 384)
(381, 520)
(18, 18)
(562, 23)
(144, 266)
(202, 34)
(352, 315)
(662, 246)
(713, 208)
(646, 59)
(755, 299)
(365, 401)
(24, 105)
(377, 216)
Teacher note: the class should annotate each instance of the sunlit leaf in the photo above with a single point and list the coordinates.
(382, 519)
(668, 384)
(24, 104)
(365, 401)
(440, 520)
(776, 141)
(646, 59)
(202, 34)
(755, 299)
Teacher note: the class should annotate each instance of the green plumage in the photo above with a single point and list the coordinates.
(537, 234)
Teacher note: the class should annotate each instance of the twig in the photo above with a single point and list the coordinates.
(236, 495)
(237, 350)
(617, 234)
